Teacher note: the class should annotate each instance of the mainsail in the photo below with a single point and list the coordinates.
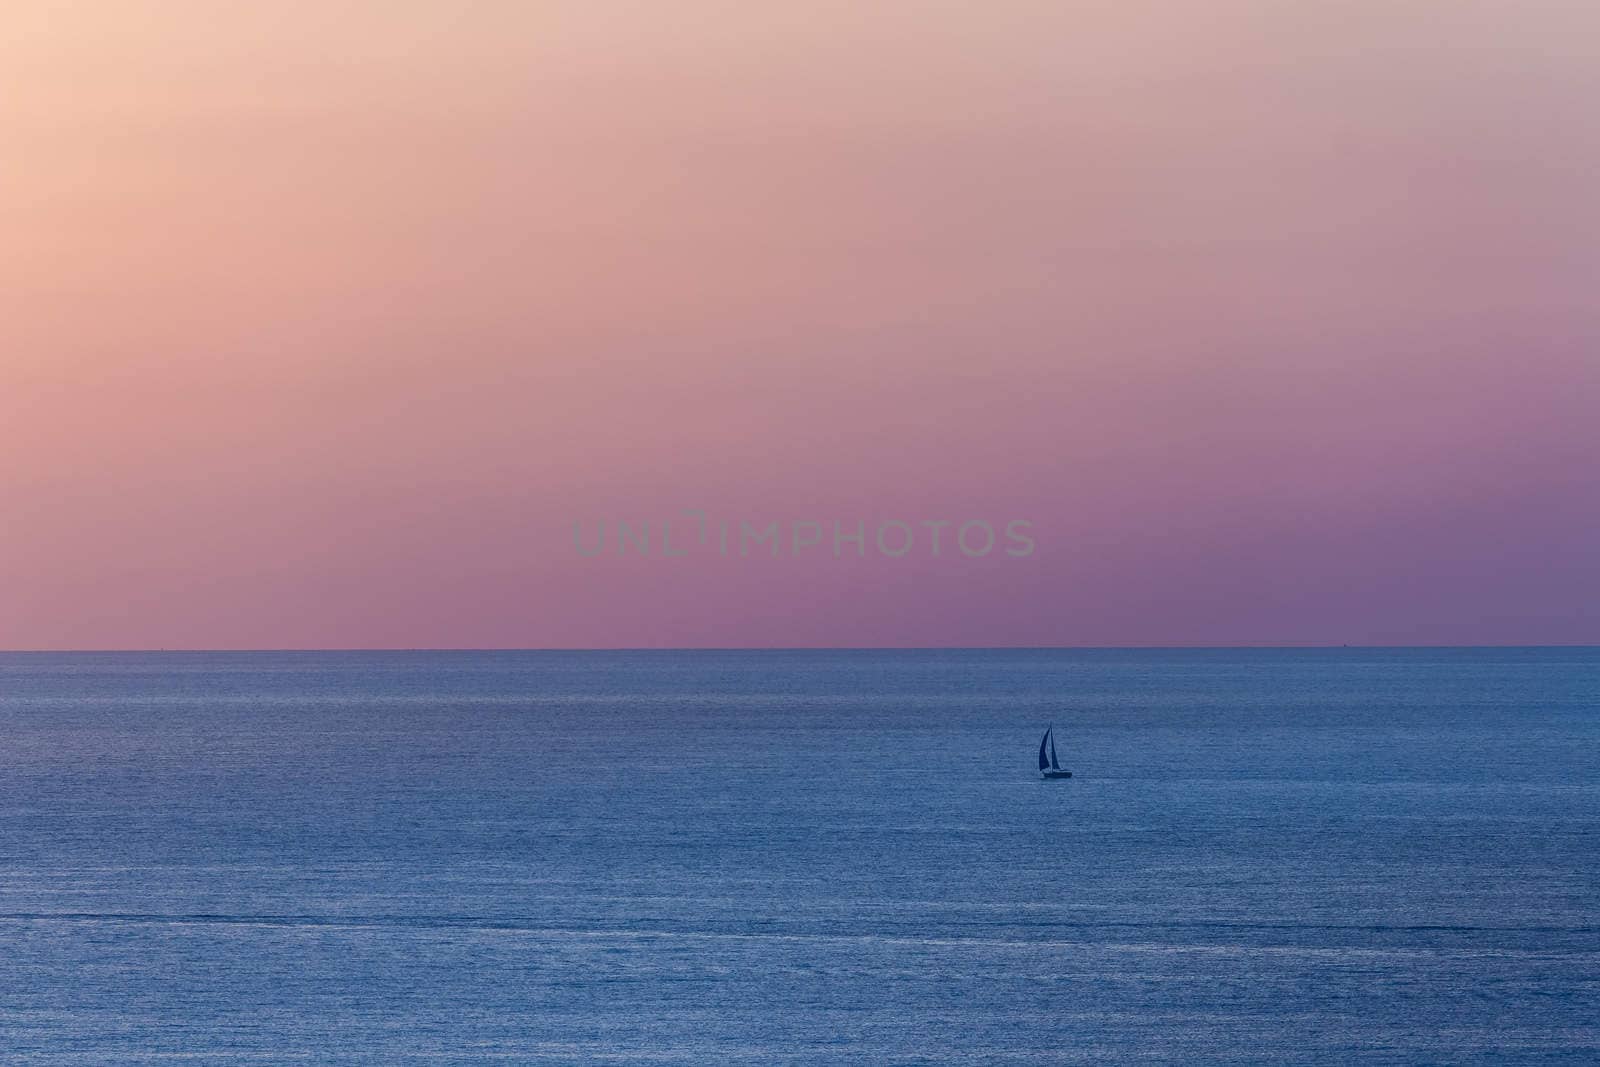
(1051, 734)
(1044, 763)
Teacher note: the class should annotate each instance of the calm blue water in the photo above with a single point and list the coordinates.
(800, 857)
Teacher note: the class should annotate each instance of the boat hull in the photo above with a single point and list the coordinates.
(1055, 774)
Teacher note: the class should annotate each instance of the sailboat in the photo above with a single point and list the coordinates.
(1048, 767)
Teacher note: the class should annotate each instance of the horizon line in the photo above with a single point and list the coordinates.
(1198, 646)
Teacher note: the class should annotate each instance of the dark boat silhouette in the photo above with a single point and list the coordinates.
(1048, 767)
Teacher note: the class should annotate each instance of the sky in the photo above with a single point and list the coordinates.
(324, 324)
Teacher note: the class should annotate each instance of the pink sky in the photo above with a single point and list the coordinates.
(320, 324)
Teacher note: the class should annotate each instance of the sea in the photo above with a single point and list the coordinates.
(1267, 856)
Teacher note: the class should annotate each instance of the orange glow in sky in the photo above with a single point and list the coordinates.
(321, 324)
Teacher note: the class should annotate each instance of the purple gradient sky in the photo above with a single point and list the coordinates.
(320, 325)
